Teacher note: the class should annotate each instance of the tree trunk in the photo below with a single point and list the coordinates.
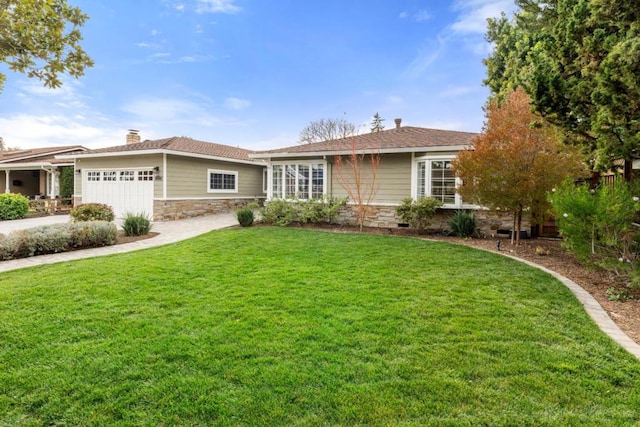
(518, 226)
(513, 229)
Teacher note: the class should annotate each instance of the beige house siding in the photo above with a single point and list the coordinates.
(143, 161)
(393, 180)
(188, 178)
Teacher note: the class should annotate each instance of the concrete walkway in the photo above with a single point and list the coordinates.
(175, 231)
(170, 231)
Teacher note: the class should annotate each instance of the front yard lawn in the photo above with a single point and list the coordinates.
(270, 326)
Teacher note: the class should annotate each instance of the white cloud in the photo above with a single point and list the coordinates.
(419, 16)
(474, 14)
(54, 130)
(159, 113)
(217, 6)
(144, 45)
(66, 96)
(236, 104)
(426, 56)
(179, 7)
(167, 58)
(422, 16)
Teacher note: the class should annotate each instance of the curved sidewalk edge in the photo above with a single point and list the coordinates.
(592, 307)
(170, 232)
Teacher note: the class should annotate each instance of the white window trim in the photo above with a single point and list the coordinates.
(265, 180)
(224, 172)
(458, 204)
(325, 177)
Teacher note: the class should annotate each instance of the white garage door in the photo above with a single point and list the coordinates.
(125, 190)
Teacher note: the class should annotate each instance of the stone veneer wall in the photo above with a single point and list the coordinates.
(167, 210)
(488, 222)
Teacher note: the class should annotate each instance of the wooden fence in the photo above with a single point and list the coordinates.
(51, 206)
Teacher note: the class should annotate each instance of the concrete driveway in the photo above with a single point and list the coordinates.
(170, 232)
(7, 227)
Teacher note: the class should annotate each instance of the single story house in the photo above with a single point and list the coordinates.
(414, 162)
(169, 178)
(35, 173)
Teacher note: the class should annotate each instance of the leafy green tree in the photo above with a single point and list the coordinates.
(41, 38)
(579, 61)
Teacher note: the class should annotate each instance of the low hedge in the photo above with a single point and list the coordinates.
(13, 206)
(47, 239)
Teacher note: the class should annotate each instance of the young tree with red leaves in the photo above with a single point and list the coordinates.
(357, 173)
(515, 162)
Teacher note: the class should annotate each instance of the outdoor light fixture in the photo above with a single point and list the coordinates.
(156, 169)
(78, 170)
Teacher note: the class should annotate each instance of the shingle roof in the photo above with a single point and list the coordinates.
(181, 144)
(396, 138)
(39, 155)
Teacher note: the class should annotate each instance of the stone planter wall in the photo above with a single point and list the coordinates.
(488, 222)
(167, 210)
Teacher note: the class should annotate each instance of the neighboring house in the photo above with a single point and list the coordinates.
(415, 162)
(168, 178)
(34, 173)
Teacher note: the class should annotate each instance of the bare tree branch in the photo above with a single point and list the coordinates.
(327, 130)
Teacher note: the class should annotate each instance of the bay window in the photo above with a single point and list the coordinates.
(435, 178)
(301, 180)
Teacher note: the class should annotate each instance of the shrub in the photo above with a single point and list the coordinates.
(89, 234)
(13, 206)
(55, 238)
(66, 181)
(319, 210)
(136, 224)
(462, 223)
(418, 214)
(597, 224)
(245, 215)
(279, 212)
(92, 212)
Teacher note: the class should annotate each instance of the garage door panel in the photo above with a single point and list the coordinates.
(125, 190)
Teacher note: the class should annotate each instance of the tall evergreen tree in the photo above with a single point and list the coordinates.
(579, 61)
(376, 124)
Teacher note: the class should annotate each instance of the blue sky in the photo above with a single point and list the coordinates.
(253, 73)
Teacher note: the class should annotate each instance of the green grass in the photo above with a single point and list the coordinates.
(265, 326)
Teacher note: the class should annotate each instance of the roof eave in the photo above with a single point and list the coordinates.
(30, 166)
(44, 154)
(362, 151)
(157, 151)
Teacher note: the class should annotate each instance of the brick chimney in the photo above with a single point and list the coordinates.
(398, 121)
(133, 137)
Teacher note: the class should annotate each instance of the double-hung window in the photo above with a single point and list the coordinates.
(221, 181)
(435, 178)
(298, 180)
